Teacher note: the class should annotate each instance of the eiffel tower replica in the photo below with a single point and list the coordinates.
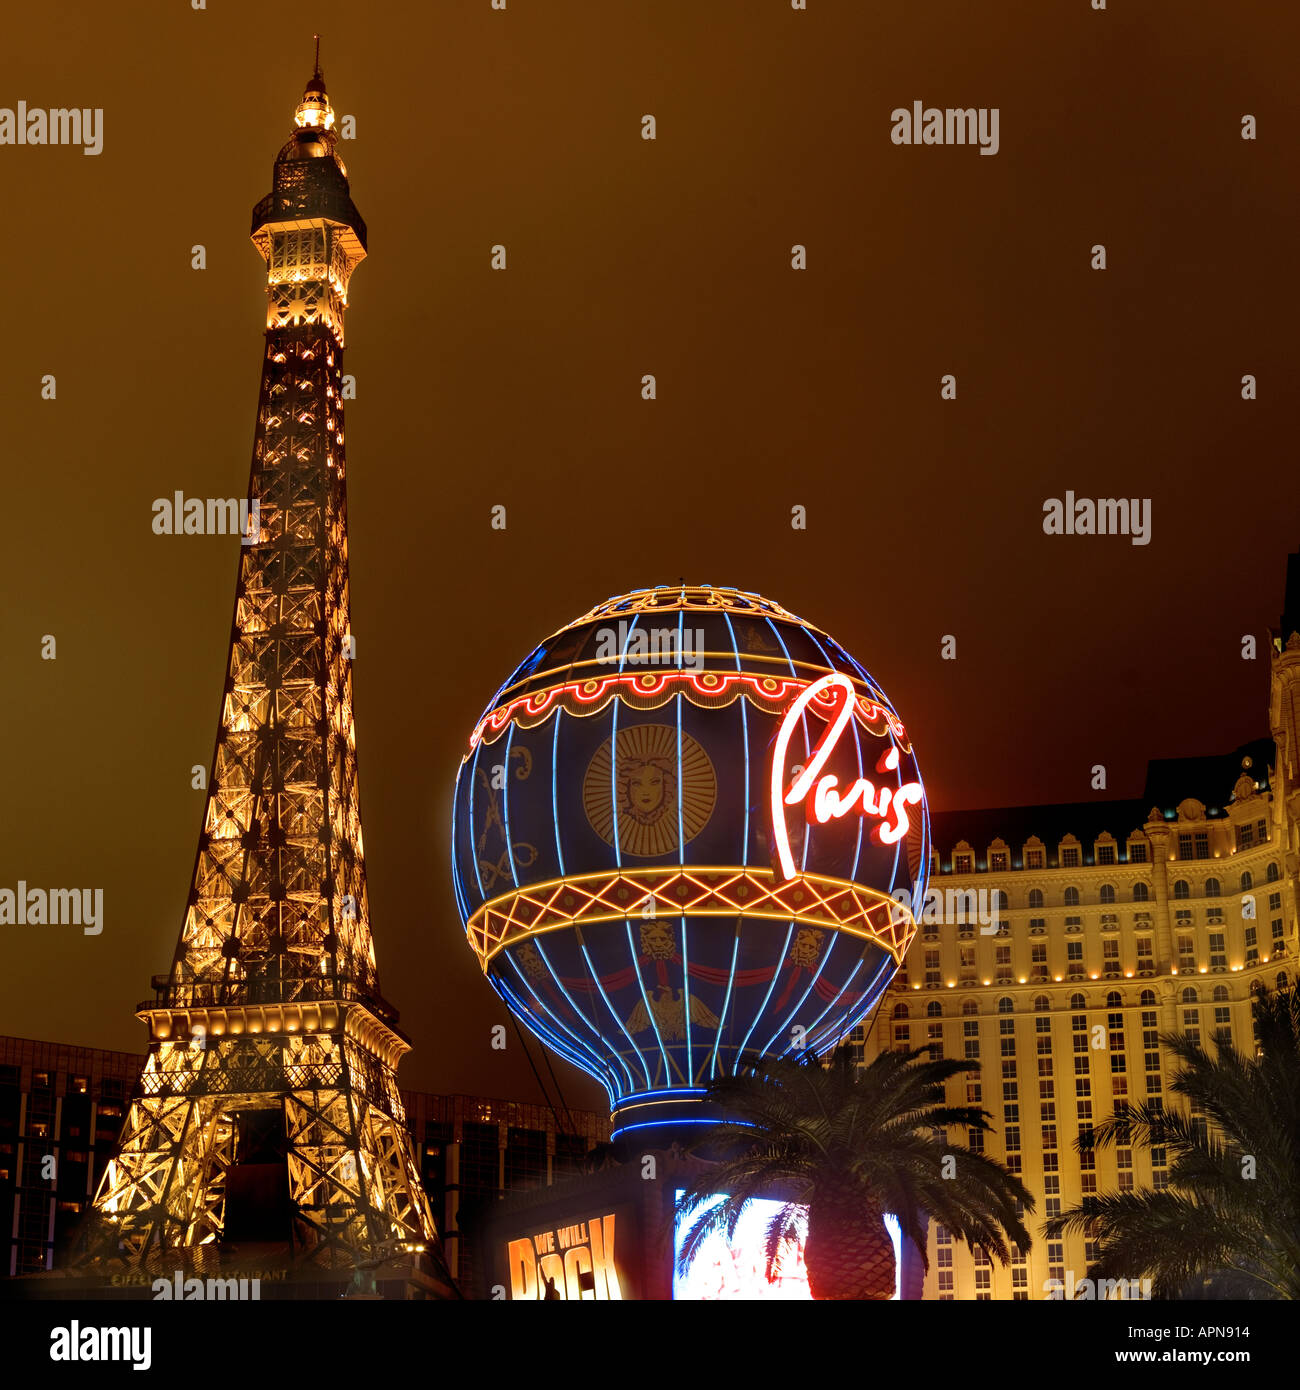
(268, 1120)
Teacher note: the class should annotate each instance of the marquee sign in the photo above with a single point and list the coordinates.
(569, 1262)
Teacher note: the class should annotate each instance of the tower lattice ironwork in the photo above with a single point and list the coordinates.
(269, 1036)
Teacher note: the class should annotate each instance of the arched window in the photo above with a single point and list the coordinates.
(1042, 1004)
(1247, 881)
(1281, 979)
(1035, 897)
(1141, 893)
(1077, 1001)
(970, 1007)
(1213, 889)
(900, 1011)
(1181, 889)
(1271, 875)
(1220, 994)
(1006, 1005)
(1189, 996)
(1147, 998)
(934, 1009)
(1106, 893)
(1113, 999)
(1072, 897)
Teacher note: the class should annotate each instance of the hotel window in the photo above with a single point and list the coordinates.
(1074, 957)
(902, 1035)
(900, 1011)
(1072, 897)
(1217, 955)
(1009, 1089)
(1181, 889)
(1069, 856)
(1003, 965)
(1245, 837)
(974, 1093)
(1045, 1045)
(961, 863)
(945, 1257)
(1143, 950)
(1013, 1136)
(1008, 1047)
(1006, 1005)
(1194, 846)
(1011, 1116)
(1006, 1025)
(1271, 876)
(983, 1278)
(945, 1284)
(932, 967)
(1106, 893)
(40, 1078)
(1275, 902)
(1126, 1182)
(997, 862)
(1044, 1069)
(1035, 897)
(1105, 854)
(1141, 893)
(971, 1027)
(1186, 953)
(1276, 927)
(1079, 1022)
(1261, 831)
(1049, 1136)
(1110, 951)
(1033, 859)
(1046, 1089)
(1081, 1069)
(1153, 1083)
(1213, 888)
(1074, 924)
(1083, 1109)
(1008, 1074)
(966, 955)
(1088, 1184)
(1137, 852)
(975, 1140)
(1119, 1085)
(1247, 881)
(80, 1084)
(972, 1049)
(1151, 1061)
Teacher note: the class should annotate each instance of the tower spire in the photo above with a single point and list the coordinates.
(316, 72)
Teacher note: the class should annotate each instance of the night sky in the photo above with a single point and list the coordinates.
(523, 388)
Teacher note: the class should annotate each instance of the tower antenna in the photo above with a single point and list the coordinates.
(316, 71)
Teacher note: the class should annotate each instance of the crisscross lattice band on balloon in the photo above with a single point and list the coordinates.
(674, 891)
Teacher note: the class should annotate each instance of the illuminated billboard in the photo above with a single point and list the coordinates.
(738, 1269)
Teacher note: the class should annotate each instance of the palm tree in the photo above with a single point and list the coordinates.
(1228, 1224)
(846, 1144)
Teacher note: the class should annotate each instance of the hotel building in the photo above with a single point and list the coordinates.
(1116, 922)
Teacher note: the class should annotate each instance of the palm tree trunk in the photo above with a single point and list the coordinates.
(849, 1253)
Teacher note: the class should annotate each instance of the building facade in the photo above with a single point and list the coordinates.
(1107, 924)
(61, 1110)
